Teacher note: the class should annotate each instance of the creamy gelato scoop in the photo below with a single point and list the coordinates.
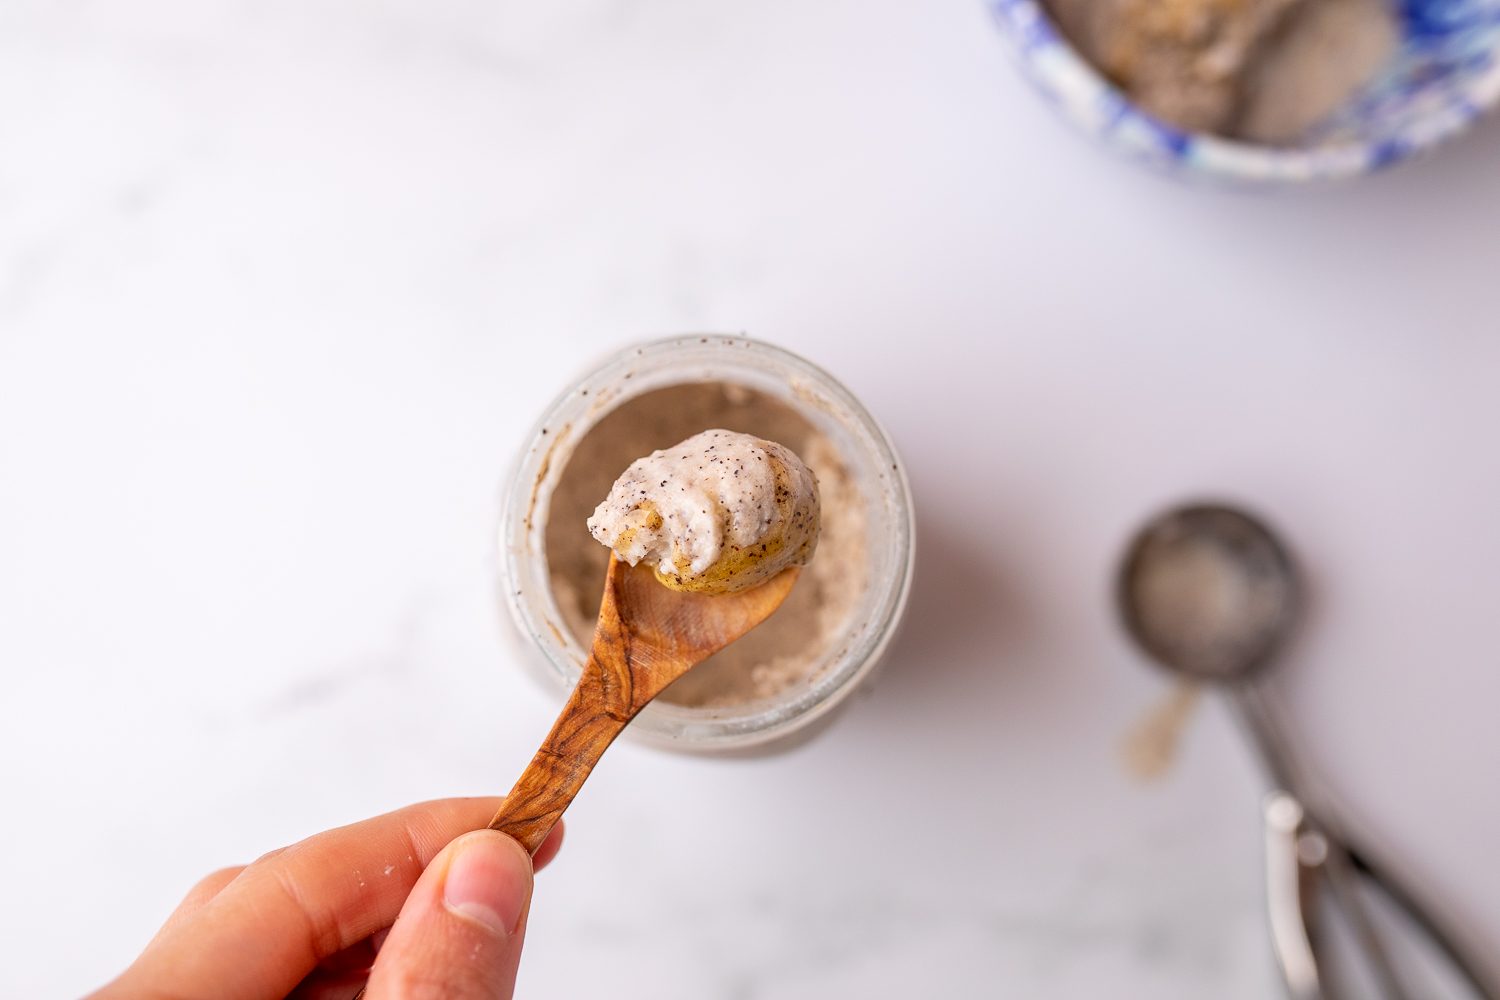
(721, 511)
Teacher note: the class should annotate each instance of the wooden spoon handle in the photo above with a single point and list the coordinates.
(584, 729)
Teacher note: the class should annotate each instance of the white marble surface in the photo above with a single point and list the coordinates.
(282, 284)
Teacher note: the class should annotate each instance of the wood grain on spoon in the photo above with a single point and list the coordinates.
(646, 638)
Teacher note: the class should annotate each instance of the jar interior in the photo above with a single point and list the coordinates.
(791, 648)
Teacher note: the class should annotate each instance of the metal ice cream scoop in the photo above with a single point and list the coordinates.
(1209, 592)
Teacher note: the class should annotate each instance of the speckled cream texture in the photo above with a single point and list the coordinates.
(788, 650)
(719, 512)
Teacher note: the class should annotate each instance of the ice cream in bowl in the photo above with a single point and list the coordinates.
(1262, 91)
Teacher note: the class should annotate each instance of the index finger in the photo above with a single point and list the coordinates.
(270, 926)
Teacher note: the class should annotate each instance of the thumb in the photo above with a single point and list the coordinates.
(460, 931)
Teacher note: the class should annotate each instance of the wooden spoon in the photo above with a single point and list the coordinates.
(648, 636)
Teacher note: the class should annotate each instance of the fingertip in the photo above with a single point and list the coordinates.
(461, 931)
(488, 880)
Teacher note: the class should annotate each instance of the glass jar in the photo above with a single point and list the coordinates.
(850, 651)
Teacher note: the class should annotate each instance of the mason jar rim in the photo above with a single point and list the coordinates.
(651, 365)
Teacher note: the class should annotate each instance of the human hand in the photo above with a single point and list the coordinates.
(313, 921)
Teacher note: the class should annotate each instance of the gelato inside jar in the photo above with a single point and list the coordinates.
(834, 628)
(790, 647)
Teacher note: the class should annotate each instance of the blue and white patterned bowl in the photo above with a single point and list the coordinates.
(1445, 74)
